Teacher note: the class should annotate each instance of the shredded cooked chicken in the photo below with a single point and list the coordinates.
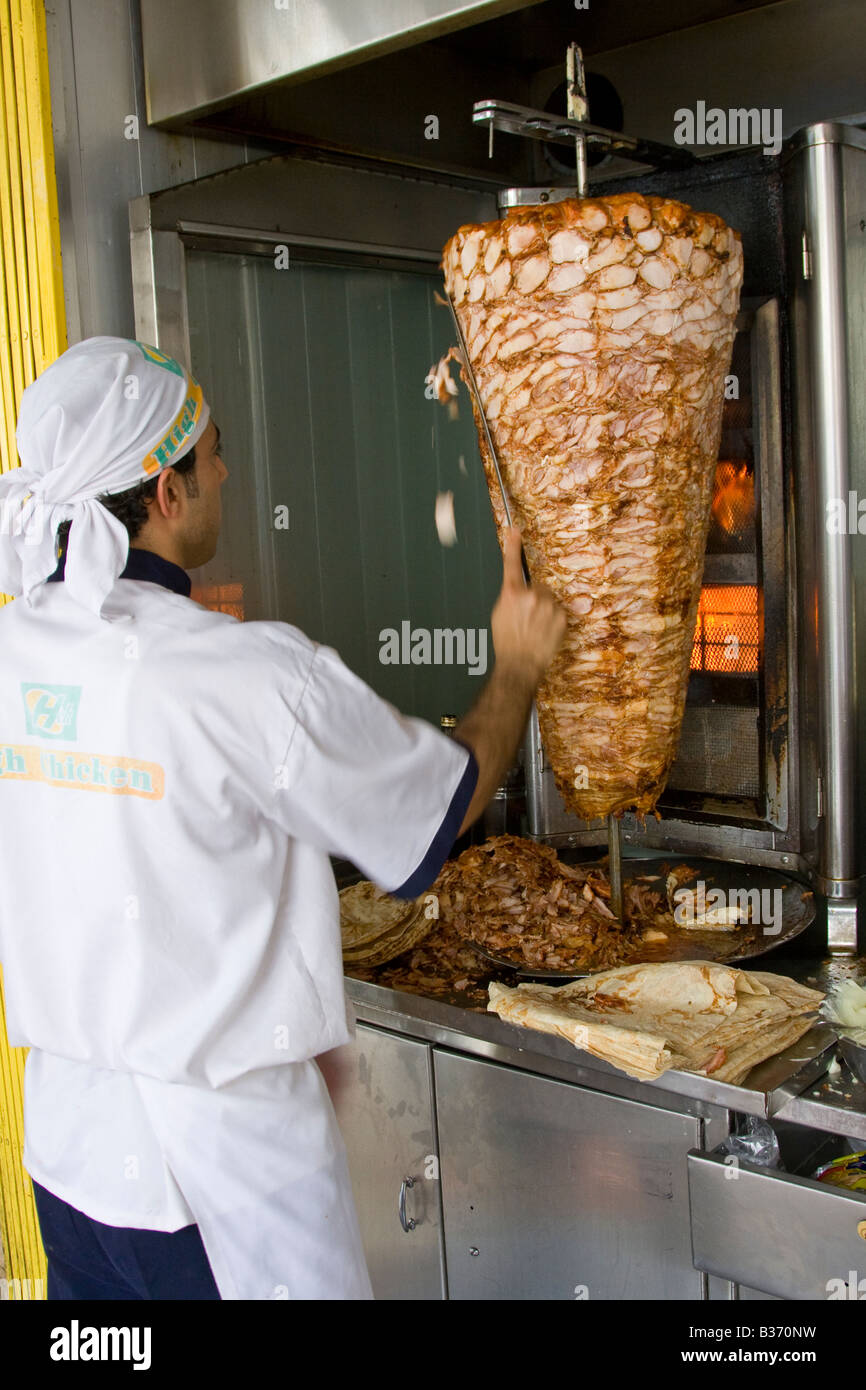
(519, 901)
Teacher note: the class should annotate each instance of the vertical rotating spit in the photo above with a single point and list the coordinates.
(578, 110)
(576, 129)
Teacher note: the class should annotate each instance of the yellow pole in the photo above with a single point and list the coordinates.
(32, 335)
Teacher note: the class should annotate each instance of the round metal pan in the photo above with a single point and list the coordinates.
(524, 971)
(795, 903)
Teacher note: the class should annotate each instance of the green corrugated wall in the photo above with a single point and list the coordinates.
(316, 376)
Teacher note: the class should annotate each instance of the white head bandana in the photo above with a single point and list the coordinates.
(109, 413)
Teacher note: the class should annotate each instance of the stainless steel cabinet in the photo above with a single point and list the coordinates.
(779, 1233)
(543, 1189)
(551, 1191)
(384, 1103)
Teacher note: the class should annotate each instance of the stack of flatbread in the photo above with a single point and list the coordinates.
(696, 1016)
(377, 927)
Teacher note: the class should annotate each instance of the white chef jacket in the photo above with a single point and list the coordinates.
(171, 787)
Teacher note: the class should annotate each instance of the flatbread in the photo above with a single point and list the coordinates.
(367, 911)
(687, 987)
(377, 927)
(750, 1051)
(698, 1016)
(642, 1054)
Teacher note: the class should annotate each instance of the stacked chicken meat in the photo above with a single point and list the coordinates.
(600, 331)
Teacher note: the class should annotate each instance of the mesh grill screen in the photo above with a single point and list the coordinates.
(726, 631)
(718, 752)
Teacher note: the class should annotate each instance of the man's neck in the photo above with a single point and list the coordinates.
(160, 545)
(143, 564)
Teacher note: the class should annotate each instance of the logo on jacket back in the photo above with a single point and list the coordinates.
(51, 711)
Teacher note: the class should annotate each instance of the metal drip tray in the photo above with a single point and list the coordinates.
(785, 907)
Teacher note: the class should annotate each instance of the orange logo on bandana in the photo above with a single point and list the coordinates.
(185, 423)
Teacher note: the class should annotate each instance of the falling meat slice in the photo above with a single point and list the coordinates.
(446, 526)
(600, 331)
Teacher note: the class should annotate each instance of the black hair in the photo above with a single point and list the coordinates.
(131, 507)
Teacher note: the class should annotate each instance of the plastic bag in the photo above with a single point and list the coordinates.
(755, 1142)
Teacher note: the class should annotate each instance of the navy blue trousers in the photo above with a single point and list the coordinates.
(88, 1260)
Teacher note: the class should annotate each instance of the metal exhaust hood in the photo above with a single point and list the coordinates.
(200, 55)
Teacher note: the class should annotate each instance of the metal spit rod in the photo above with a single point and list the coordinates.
(614, 853)
(577, 109)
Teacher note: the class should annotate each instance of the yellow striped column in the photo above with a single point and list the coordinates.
(32, 335)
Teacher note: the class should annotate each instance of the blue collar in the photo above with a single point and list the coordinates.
(144, 564)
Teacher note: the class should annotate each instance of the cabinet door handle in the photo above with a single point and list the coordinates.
(407, 1224)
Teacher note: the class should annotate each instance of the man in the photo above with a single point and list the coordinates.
(172, 783)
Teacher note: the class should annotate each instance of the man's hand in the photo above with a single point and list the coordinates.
(527, 623)
(528, 627)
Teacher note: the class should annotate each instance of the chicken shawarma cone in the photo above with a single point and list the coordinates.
(600, 331)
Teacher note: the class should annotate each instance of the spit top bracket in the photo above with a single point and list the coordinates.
(575, 128)
(562, 130)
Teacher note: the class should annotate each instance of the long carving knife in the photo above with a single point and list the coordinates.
(488, 437)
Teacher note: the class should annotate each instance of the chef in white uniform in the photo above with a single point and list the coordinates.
(172, 782)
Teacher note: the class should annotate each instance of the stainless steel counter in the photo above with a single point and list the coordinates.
(450, 1115)
(793, 1086)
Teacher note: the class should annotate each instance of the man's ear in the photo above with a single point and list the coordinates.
(167, 492)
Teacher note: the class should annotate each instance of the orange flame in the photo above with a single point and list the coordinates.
(734, 498)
